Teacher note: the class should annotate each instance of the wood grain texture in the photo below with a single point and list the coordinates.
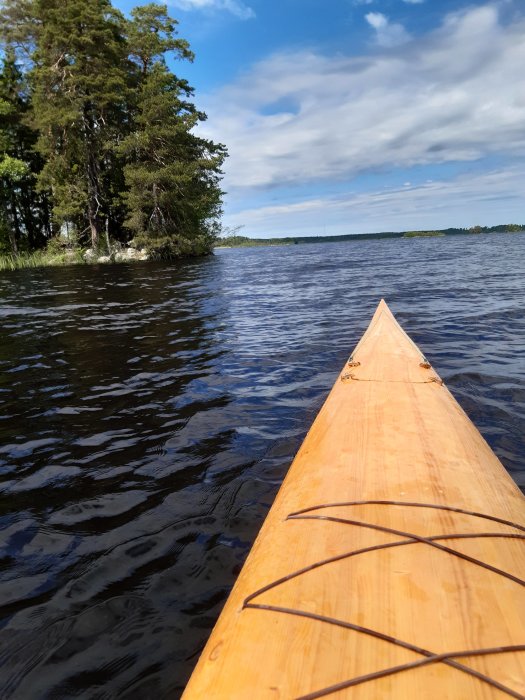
(388, 437)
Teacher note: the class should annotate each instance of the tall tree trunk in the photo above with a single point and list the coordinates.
(47, 222)
(93, 179)
(14, 232)
(107, 236)
(29, 218)
(93, 203)
(93, 223)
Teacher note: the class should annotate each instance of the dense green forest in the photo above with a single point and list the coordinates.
(97, 142)
(236, 241)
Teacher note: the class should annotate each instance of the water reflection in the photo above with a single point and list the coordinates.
(149, 413)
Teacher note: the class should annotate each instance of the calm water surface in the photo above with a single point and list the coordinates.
(149, 414)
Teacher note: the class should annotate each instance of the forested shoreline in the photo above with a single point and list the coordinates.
(97, 142)
(236, 241)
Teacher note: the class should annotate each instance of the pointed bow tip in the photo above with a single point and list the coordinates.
(386, 351)
(383, 307)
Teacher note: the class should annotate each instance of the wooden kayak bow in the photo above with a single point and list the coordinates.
(392, 562)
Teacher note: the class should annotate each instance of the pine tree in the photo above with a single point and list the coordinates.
(24, 217)
(173, 197)
(79, 104)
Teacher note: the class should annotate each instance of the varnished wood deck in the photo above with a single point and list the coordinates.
(391, 564)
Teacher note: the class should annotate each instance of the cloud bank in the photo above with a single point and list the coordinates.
(302, 117)
(465, 201)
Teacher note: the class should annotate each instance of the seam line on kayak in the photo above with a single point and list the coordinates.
(348, 377)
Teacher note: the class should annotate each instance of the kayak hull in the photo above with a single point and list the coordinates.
(392, 560)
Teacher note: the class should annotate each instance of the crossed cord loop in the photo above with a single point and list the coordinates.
(448, 658)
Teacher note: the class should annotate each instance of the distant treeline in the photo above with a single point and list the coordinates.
(96, 132)
(245, 242)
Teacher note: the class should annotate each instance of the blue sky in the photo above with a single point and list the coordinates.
(351, 116)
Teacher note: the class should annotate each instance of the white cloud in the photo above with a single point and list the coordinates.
(236, 7)
(376, 20)
(387, 33)
(456, 94)
(414, 2)
(491, 198)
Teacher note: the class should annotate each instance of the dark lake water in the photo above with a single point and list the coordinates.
(149, 413)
